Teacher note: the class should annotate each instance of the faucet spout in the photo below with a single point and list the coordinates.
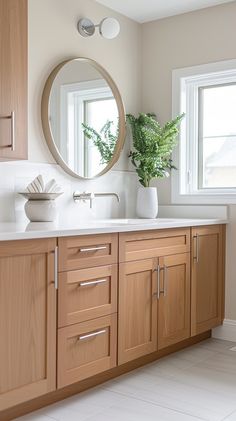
(77, 196)
(108, 194)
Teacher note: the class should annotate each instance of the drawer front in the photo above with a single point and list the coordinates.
(86, 349)
(149, 244)
(86, 294)
(87, 251)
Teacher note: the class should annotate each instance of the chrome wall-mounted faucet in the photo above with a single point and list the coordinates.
(77, 196)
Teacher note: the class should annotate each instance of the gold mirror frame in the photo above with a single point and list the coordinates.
(46, 124)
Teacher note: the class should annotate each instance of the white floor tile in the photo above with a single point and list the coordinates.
(195, 383)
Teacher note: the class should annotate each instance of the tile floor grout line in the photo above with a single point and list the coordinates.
(159, 405)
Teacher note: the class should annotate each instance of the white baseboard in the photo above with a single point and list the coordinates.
(226, 332)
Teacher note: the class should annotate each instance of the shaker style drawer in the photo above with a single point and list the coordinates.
(86, 349)
(86, 294)
(87, 251)
(149, 244)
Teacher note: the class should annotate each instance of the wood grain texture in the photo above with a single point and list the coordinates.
(13, 77)
(98, 379)
(27, 323)
(79, 359)
(137, 325)
(78, 303)
(174, 306)
(207, 278)
(71, 257)
(148, 244)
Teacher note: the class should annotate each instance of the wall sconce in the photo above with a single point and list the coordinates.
(109, 28)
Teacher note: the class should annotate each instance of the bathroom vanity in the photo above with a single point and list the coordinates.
(79, 306)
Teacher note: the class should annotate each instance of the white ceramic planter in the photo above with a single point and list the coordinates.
(41, 210)
(147, 202)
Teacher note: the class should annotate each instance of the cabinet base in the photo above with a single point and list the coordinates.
(68, 391)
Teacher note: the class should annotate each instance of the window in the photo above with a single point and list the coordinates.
(206, 155)
(84, 102)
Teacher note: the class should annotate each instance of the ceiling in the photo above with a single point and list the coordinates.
(148, 10)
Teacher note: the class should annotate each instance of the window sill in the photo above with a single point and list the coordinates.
(206, 199)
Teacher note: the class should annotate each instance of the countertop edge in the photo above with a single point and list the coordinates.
(30, 232)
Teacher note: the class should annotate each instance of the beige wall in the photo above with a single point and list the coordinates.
(53, 37)
(186, 40)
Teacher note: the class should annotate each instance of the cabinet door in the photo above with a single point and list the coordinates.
(174, 300)
(27, 321)
(13, 79)
(207, 278)
(137, 309)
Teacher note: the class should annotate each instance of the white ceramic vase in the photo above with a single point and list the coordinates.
(41, 210)
(147, 202)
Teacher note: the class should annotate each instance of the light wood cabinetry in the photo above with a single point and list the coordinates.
(171, 287)
(137, 309)
(86, 294)
(148, 244)
(207, 296)
(87, 251)
(13, 79)
(87, 306)
(27, 320)
(86, 349)
(174, 302)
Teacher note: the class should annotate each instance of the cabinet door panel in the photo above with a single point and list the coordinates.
(174, 301)
(86, 349)
(207, 278)
(137, 309)
(27, 324)
(13, 79)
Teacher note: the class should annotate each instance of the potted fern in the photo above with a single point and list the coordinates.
(151, 156)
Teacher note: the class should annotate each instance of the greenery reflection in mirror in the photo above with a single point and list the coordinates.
(85, 125)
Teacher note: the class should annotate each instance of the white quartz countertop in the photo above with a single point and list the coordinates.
(33, 230)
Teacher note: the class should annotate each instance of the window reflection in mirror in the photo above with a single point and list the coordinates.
(83, 118)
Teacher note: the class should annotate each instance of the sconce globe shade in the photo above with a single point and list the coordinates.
(109, 28)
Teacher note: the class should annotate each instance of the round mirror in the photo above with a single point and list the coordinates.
(83, 118)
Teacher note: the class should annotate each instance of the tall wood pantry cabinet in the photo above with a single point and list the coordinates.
(13, 79)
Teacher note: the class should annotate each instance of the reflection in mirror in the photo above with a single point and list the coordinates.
(83, 118)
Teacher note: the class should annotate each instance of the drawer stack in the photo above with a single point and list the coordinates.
(87, 306)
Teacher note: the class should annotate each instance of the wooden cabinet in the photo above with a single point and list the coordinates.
(174, 300)
(86, 349)
(27, 320)
(137, 309)
(86, 294)
(207, 290)
(13, 79)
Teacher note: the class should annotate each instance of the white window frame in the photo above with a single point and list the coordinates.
(78, 93)
(185, 84)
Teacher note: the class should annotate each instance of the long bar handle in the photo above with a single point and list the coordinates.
(84, 250)
(157, 294)
(165, 280)
(12, 118)
(91, 335)
(56, 267)
(196, 257)
(92, 283)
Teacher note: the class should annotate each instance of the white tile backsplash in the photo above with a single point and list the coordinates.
(15, 176)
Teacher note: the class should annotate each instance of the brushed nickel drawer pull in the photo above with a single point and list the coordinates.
(165, 280)
(196, 257)
(92, 283)
(91, 335)
(12, 118)
(56, 267)
(84, 250)
(157, 294)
